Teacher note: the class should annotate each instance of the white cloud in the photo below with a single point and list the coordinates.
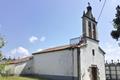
(42, 38)
(32, 39)
(19, 52)
(39, 50)
(112, 52)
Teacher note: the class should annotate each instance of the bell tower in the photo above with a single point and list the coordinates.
(89, 24)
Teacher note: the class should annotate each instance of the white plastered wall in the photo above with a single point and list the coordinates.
(60, 63)
(87, 59)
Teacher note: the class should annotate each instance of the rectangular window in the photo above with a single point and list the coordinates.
(94, 31)
(93, 52)
(90, 29)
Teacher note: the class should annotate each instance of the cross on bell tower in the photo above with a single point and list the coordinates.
(89, 24)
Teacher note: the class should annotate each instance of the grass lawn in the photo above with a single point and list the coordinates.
(19, 78)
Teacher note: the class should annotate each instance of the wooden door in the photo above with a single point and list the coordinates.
(94, 73)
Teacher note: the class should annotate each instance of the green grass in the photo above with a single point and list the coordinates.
(19, 78)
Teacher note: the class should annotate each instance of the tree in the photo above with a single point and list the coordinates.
(0, 55)
(2, 44)
(2, 63)
(116, 23)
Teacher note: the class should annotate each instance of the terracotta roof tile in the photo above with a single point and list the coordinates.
(53, 49)
(20, 60)
(56, 49)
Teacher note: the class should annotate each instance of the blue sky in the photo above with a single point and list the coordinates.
(32, 25)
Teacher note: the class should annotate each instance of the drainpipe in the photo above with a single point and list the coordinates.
(78, 64)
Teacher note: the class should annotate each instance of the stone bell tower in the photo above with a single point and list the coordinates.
(89, 24)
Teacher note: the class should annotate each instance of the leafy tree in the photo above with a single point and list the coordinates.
(2, 63)
(116, 23)
(0, 55)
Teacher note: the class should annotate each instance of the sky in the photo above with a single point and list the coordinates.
(32, 25)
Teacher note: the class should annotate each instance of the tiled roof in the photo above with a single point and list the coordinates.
(56, 49)
(20, 60)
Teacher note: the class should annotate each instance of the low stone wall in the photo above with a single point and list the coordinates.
(20, 68)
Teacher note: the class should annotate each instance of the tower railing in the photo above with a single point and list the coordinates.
(77, 41)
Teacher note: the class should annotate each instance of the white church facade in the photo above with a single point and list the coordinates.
(82, 61)
(77, 61)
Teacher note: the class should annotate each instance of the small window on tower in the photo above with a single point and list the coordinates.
(93, 52)
(89, 27)
(94, 31)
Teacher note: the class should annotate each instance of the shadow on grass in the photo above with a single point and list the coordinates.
(21, 78)
(34, 77)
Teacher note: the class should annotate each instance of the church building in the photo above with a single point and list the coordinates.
(81, 60)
